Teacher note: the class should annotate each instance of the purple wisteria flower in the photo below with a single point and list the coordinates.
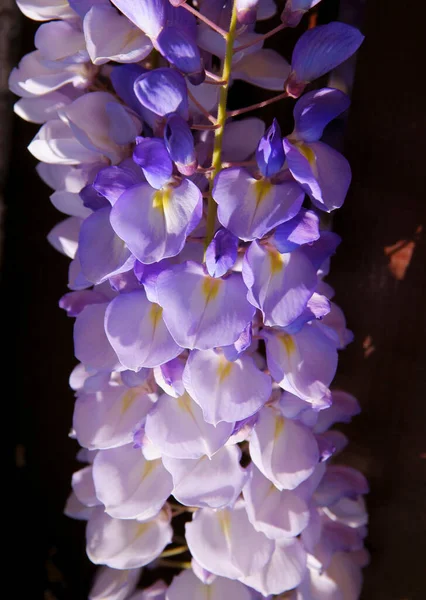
(206, 336)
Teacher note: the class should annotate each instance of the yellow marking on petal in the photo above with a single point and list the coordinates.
(224, 369)
(279, 426)
(262, 187)
(210, 288)
(128, 399)
(148, 468)
(225, 524)
(308, 153)
(276, 261)
(184, 403)
(288, 343)
(141, 529)
(155, 313)
(161, 198)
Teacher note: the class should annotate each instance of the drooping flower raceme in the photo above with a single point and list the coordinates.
(206, 335)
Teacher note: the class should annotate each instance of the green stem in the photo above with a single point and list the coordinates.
(221, 120)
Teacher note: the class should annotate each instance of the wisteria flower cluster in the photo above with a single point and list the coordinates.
(206, 335)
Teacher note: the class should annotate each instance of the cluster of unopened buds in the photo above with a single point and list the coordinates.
(206, 336)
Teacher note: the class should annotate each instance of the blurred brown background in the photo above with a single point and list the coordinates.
(379, 274)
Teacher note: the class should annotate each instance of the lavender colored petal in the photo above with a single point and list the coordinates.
(285, 451)
(123, 78)
(315, 110)
(225, 543)
(111, 182)
(101, 252)
(91, 345)
(151, 155)
(111, 36)
(129, 486)
(317, 308)
(278, 514)
(177, 428)
(279, 284)
(187, 586)
(179, 47)
(304, 363)
(225, 391)
(344, 406)
(125, 543)
(233, 351)
(215, 483)
(250, 208)
(106, 419)
(285, 570)
(221, 253)
(340, 481)
(200, 311)
(162, 91)
(74, 302)
(169, 377)
(113, 584)
(302, 229)
(154, 223)
(148, 15)
(180, 144)
(270, 155)
(83, 487)
(321, 49)
(136, 330)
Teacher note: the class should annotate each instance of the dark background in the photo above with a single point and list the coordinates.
(380, 279)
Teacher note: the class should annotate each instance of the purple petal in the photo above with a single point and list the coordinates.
(320, 250)
(108, 418)
(321, 49)
(302, 229)
(112, 584)
(123, 78)
(322, 172)
(129, 486)
(304, 363)
(344, 406)
(339, 482)
(225, 542)
(91, 346)
(101, 252)
(126, 543)
(279, 284)
(270, 155)
(285, 570)
(216, 482)
(200, 311)
(177, 428)
(315, 110)
(154, 223)
(226, 391)
(221, 253)
(180, 144)
(148, 15)
(75, 302)
(187, 586)
(317, 308)
(285, 451)
(250, 208)
(136, 330)
(162, 91)
(277, 514)
(151, 155)
(233, 351)
(179, 47)
(169, 377)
